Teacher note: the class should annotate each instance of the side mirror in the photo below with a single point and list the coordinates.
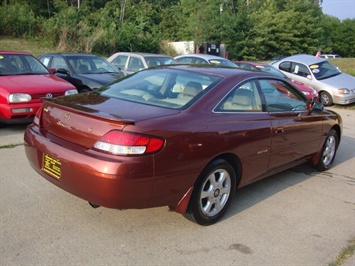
(317, 106)
(52, 70)
(309, 77)
(62, 71)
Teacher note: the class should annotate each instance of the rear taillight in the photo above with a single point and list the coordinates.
(126, 143)
(37, 117)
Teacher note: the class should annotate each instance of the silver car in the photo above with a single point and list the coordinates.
(204, 59)
(130, 62)
(332, 85)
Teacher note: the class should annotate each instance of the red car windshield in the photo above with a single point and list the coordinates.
(20, 64)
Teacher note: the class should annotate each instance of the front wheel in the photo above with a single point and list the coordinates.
(328, 152)
(326, 98)
(212, 194)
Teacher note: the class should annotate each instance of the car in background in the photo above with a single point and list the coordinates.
(203, 59)
(332, 85)
(23, 82)
(181, 136)
(130, 62)
(326, 56)
(256, 66)
(86, 72)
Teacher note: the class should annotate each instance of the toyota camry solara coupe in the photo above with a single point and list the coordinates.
(180, 136)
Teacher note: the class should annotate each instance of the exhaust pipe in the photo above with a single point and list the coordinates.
(94, 205)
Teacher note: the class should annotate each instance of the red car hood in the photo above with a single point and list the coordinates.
(34, 83)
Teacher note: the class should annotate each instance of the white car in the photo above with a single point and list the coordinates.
(332, 85)
(129, 62)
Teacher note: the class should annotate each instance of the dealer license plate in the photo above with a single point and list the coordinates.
(51, 166)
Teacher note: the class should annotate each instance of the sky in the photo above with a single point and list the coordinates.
(341, 9)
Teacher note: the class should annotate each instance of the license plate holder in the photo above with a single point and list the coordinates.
(52, 166)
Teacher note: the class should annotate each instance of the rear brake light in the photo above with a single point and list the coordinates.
(124, 143)
(37, 117)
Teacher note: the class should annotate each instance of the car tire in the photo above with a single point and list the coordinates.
(212, 193)
(326, 98)
(329, 150)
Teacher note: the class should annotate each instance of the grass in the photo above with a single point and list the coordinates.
(10, 146)
(346, 65)
(345, 254)
(33, 47)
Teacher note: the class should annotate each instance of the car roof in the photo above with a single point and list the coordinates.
(13, 52)
(218, 70)
(204, 56)
(142, 54)
(69, 54)
(304, 58)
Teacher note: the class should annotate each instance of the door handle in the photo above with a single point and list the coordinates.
(279, 130)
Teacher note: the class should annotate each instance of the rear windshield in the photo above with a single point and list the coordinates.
(168, 88)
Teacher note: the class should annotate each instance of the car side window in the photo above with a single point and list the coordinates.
(280, 97)
(285, 66)
(200, 61)
(300, 70)
(185, 60)
(243, 98)
(59, 62)
(120, 61)
(135, 64)
(45, 60)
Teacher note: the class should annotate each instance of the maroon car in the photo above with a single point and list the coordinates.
(307, 90)
(180, 136)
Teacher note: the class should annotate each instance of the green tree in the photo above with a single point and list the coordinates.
(283, 28)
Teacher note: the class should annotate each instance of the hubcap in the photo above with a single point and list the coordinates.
(215, 192)
(329, 150)
(325, 99)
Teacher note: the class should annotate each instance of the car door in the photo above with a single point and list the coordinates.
(121, 62)
(296, 132)
(247, 129)
(65, 71)
(135, 64)
(297, 71)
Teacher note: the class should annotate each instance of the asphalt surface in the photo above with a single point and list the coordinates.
(298, 217)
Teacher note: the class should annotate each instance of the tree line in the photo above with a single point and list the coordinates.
(250, 29)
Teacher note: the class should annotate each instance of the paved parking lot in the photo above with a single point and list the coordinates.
(298, 217)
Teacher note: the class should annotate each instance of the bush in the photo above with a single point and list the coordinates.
(17, 20)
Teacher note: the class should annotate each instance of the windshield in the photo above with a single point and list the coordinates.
(20, 64)
(168, 88)
(159, 61)
(324, 70)
(90, 65)
(222, 62)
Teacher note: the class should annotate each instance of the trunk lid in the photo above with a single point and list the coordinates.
(84, 118)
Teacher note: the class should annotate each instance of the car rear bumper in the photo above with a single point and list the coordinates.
(108, 183)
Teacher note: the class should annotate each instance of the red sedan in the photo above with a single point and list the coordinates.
(23, 82)
(180, 136)
(307, 90)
